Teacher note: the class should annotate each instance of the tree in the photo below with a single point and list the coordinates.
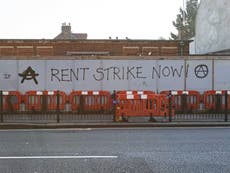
(185, 21)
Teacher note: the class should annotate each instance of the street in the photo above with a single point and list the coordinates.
(127, 150)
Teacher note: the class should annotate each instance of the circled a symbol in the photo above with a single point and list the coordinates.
(201, 71)
(29, 74)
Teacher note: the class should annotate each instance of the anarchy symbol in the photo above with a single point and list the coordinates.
(29, 74)
(201, 71)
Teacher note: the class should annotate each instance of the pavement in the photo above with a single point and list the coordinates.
(49, 121)
(111, 125)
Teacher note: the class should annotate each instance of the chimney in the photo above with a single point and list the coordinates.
(66, 34)
(66, 28)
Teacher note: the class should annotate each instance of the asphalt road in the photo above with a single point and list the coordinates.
(115, 150)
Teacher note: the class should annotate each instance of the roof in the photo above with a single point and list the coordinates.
(71, 36)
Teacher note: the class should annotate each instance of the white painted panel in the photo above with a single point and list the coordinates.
(199, 75)
(169, 74)
(58, 75)
(8, 75)
(127, 75)
(28, 81)
(222, 75)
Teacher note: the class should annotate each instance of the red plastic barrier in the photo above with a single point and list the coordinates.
(141, 105)
(11, 100)
(214, 99)
(44, 100)
(163, 105)
(90, 101)
(52, 100)
(180, 99)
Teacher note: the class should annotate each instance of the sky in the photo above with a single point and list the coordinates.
(100, 19)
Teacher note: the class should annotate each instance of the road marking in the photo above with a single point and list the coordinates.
(34, 130)
(58, 157)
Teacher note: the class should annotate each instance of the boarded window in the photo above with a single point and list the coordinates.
(131, 51)
(150, 51)
(6, 50)
(44, 50)
(25, 50)
(169, 51)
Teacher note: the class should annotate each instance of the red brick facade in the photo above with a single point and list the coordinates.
(104, 47)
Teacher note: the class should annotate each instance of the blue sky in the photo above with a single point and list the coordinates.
(101, 19)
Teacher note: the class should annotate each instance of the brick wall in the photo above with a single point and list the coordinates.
(114, 47)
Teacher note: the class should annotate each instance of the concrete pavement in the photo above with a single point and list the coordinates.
(110, 125)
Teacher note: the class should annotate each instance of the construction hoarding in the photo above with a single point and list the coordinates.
(104, 74)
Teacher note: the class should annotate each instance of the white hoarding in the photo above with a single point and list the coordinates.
(68, 75)
(168, 74)
(221, 75)
(199, 75)
(8, 75)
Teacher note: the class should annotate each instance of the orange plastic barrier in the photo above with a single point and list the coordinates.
(181, 100)
(44, 100)
(163, 106)
(90, 101)
(11, 100)
(52, 100)
(141, 105)
(214, 100)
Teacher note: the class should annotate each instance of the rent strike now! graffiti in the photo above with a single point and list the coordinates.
(68, 75)
(116, 73)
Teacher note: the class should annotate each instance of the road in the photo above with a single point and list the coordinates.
(133, 150)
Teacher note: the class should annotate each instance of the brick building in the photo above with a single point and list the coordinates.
(68, 43)
(110, 47)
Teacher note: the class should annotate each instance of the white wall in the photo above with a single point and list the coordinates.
(212, 26)
(157, 75)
